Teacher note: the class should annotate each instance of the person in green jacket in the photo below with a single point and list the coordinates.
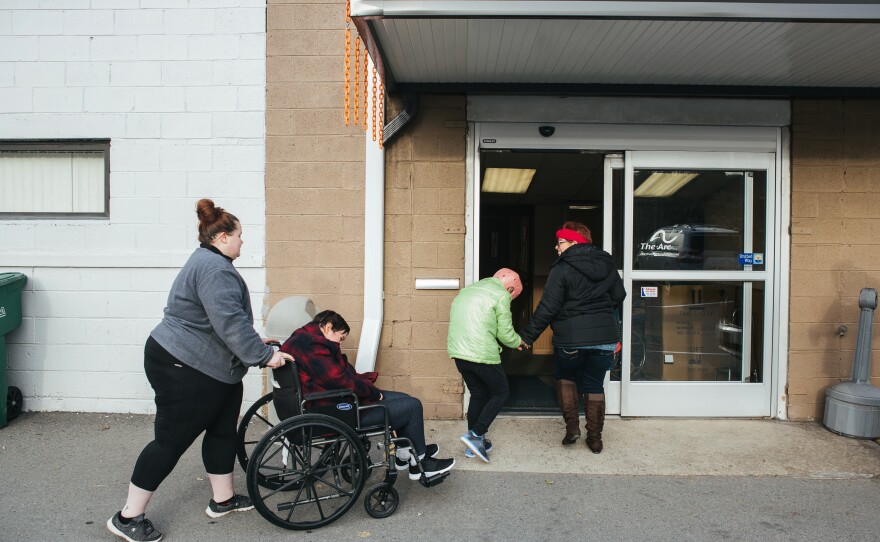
(479, 319)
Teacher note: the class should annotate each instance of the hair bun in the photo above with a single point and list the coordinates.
(207, 212)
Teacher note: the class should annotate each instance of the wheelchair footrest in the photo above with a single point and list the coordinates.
(437, 479)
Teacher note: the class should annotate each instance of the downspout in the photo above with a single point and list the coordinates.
(374, 237)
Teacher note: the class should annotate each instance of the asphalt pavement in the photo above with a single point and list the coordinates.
(64, 474)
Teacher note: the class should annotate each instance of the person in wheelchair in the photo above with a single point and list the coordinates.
(322, 367)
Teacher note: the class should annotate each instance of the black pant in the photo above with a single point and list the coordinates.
(586, 367)
(188, 403)
(489, 391)
(405, 416)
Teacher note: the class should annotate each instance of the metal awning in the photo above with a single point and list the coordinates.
(625, 47)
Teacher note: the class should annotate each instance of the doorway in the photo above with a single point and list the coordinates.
(694, 233)
(525, 195)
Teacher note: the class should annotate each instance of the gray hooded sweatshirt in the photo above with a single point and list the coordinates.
(208, 323)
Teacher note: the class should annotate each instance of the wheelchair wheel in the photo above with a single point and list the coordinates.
(381, 500)
(251, 429)
(307, 472)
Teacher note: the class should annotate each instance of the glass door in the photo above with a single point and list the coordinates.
(698, 257)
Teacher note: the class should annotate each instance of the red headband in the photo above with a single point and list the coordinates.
(571, 235)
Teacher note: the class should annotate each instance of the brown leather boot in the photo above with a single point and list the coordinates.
(567, 396)
(594, 407)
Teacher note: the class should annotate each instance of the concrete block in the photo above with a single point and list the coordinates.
(211, 99)
(307, 68)
(140, 74)
(249, 20)
(424, 254)
(7, 74)
(87, 74)
(243, 158)
(165, 4)
(398, 228)
(303, 95)
(160, 100)
(429, 335)
(445, 175)
(55, 100)
(6, 22)
(39, 74)
(451, 254)
(66, 48)
(87, 22)
(142, 126)
(185, 125)
(303, 42)
(113, 48)
(134, 158)
(305, 17)
(16, 100)
(185, 158)
(115, 100)
(36, 22)
(252, 46)
(189, 21)
(239, 72)
(189, 73)
(15, 49)
(313, 149)
(139, 22)
(162, 47)
(213, 47)
(398, 202)
(252, 98)
(249, 124)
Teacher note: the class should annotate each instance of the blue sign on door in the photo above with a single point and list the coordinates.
(751, 258)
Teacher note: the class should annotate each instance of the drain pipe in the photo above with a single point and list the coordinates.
(374, 237)
(374, 256)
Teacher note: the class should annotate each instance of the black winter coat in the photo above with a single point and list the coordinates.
(582, 290)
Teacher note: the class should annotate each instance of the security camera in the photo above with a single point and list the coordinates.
(546, 131)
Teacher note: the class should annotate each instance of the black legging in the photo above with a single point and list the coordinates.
(188, 403)
(489, 391)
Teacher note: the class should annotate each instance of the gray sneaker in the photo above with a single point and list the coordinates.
(477, 444)
(238, 503)
(486, 442)
(138, 529)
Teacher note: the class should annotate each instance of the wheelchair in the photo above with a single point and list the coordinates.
(311, 467)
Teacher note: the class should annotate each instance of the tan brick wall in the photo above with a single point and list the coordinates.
(835, 207)
(424, 238)
(314, 163)
(315, 203)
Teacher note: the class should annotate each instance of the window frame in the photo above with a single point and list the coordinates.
(62, 145)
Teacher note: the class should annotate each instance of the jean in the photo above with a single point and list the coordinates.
(404, 415)
(586, 367)
(489, 391)
(188, 403)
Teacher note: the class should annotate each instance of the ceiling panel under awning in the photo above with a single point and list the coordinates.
(423, 52)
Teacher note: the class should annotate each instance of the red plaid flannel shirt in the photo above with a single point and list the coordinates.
(323, 367)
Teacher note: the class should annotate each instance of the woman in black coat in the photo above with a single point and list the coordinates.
(579, 299)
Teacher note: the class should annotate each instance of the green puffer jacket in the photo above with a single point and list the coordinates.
(478, 320)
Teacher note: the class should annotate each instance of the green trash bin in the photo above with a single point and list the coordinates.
(10, 318)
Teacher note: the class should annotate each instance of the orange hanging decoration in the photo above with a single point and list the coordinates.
(364, 126)
(374, 103)
(381, 113)
(357, 77)
(347, 111)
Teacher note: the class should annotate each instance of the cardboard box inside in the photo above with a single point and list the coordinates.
(681, 338)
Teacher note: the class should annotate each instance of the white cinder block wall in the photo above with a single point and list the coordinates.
(178, 86)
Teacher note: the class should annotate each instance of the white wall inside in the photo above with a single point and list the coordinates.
(180, 92)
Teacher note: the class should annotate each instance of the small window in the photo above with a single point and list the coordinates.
(54, 178)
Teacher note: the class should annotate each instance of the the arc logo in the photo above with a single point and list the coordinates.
(662, 234)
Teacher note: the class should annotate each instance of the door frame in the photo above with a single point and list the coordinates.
(614, 137)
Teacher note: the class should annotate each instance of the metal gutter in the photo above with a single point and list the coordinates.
(410, 109)
(374, 256)
(784, 10)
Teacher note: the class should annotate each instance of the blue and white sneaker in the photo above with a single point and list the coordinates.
(486, 442)
(477, 445)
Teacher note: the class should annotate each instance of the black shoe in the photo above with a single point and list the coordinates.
(431, 450)
(238, 503)
(432, 467)
(138, 529)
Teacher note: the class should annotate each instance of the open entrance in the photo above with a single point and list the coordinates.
(525, 196)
